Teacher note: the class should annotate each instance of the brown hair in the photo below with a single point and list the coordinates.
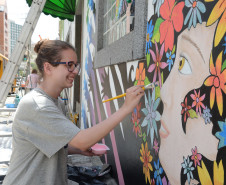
(50, 51)
(34, 71)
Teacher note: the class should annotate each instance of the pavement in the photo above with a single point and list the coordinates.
(6, 121)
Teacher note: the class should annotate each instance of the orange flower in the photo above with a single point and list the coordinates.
(140, 74)
(146, 158)
(217, 80)
(218, 10)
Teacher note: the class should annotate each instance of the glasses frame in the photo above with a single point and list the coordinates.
(76, 65)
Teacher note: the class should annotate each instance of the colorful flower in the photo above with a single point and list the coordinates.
(136, 119)
(217, 80)
(218, 10)
(156, 147)
(196, 157)
(218, 174)
(158, 5)
(151, 114)
(149, 34)
(146, 158)
(164, 181)
(195, 8)
(157, 62)
(157, 173)
(140, 74)
(206, 115)
(173, 15)
(188, 168)
(185, 109)
(222, 134)
(198, 101)
(170, 57)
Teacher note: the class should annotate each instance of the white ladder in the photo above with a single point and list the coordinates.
(18, 53)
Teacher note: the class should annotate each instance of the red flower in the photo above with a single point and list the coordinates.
(172, 13)
(196, 157)
(185, 109)
(136, 119)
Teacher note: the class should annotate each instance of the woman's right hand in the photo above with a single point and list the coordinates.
(133, 96)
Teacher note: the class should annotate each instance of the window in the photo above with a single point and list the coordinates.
(116, 20)
(120, 37)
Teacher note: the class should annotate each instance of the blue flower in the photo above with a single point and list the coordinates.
(194, 13)
(222, 135)
(158, 4)
(151, 114)
(157, 173)
(224, 45)
(188, 168)
(149, 35)
(170, 57)
(206, 115)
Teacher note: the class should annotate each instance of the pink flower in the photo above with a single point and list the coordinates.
(198, 101)
(157, 62)
(196, 157)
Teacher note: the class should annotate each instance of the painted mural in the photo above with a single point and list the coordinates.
(177, 133)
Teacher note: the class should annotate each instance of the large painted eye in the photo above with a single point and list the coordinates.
(184, 66)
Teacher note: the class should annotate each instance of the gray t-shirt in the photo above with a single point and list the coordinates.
(41, 132)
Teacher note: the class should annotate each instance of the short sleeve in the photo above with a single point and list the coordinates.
(46, 126)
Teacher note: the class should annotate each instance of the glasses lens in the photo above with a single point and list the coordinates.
(71, 66)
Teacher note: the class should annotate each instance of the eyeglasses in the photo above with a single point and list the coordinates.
(71, 66)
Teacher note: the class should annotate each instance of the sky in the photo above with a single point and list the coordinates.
(47, 26)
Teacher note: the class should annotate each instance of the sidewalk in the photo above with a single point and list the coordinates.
(6, 121)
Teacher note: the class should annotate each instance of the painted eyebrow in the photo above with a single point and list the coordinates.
(194, 44)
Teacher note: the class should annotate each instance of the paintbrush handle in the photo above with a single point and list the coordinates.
(116, 97)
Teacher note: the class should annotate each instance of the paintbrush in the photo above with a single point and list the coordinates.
(149, 86)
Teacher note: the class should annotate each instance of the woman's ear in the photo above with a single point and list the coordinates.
(47, 68)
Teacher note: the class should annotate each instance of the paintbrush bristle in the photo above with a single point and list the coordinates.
(149, 86)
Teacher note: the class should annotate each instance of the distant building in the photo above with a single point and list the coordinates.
(15, 30)
(4, 29)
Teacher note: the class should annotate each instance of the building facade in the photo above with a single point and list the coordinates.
(15, 30)
(4, 29)
(176, 134)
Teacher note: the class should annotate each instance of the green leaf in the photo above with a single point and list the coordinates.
(162, 77)
(146, 81)
(173, 49)
(148, 59)
(224, 65)
(192, 113)
(156, 33)
(144, 137)
(157, 92)
(135, 83)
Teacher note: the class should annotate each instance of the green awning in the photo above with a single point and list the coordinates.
(64, 9)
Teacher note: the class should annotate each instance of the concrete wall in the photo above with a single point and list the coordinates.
(176, 135)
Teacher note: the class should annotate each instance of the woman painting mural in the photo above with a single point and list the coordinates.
(193, 122)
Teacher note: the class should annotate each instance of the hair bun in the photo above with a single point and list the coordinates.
(39, 44)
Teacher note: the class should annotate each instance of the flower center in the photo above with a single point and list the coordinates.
(216, 82)
(196, 157)
(170, 57)
(194, 4)
(148, 37)
(197, 100)
(157, 64)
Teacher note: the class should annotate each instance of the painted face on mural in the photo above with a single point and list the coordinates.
(190, 69)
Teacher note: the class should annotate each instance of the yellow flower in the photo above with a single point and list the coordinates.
(218, 174)
(218, 10)
(146, 158)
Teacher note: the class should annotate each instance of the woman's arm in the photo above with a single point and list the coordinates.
(88, 137)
